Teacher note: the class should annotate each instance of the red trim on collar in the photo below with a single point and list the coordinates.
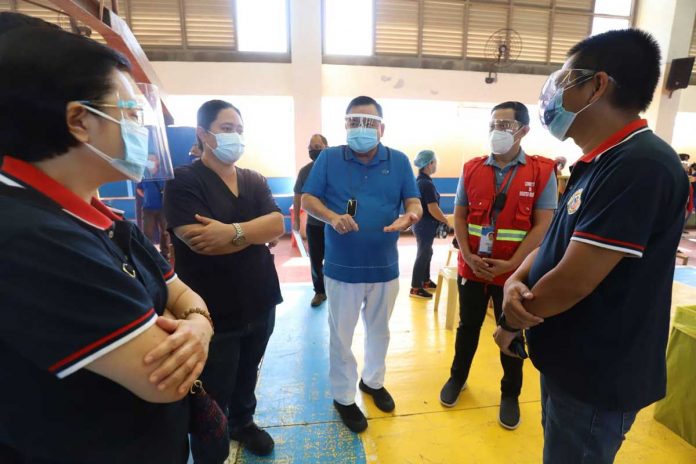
(614, 139)
(97, 214)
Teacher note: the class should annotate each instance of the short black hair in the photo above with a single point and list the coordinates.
(42, 70)
(363, 100)
(10, 20)
(630, 56)
(323, 139)
(208, 113)
(521, 111)
(684, 156)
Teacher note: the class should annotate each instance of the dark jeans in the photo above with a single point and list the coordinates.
(579, 433)
(473, 301)
(230, 375)
(425, 235)
(315, 240)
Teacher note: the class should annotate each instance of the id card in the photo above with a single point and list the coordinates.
(487, 239)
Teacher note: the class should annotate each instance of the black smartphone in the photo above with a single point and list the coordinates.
(352, 207)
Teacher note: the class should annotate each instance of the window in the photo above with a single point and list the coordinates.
(454, 33)
(263, 26)
(348, 27)
(191, 30)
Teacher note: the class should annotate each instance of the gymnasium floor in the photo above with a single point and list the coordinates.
(295, 403)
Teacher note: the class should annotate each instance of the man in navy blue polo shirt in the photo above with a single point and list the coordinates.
(596, 295)
(357, 190)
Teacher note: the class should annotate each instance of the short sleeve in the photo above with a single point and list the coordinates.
(409, 188)
(183, 199)
(316, 181)
(427, 192)
(624, 206)
(301, 179)
(549, 196)
(66, 302)
(264, 201)
(461, 198)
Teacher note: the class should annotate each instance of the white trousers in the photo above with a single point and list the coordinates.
(346, 301)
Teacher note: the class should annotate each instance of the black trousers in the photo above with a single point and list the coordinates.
(230, 375)
(425, 235)
(315, 240)
(473, 301)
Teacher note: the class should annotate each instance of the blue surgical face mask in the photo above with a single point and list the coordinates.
(135, 139)
(555, 117)
(230, 147)
(362, 139)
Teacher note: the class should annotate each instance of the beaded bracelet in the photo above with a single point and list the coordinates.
(200, 311)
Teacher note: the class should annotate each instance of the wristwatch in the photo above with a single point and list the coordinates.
(239, 238)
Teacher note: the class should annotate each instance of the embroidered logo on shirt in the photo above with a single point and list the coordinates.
(575, 202)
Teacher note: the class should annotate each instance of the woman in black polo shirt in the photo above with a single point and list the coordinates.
(222, 217)
(90, 373)
(425, 230)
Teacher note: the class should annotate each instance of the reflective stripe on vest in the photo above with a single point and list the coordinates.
(502, 235)
(510, 235)
(475, 230)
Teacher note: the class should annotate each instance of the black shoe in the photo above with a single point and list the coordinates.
(352, 416)
(420, 294)
(383, 400)
(509, 416)
(256, 440)
(429, 286)
(449, 395)
(318, 299)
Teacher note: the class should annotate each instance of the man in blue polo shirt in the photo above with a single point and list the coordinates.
(358, 190)
(596, 294)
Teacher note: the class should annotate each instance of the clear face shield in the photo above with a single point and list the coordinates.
(363, 121)
(550, 102)
(143, 132)
(159, 159)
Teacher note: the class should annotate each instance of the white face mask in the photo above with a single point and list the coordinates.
(501, 141)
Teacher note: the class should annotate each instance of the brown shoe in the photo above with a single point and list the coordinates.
(318, 299)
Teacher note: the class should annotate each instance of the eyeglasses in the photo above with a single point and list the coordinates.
(130, 109)
(507, 125)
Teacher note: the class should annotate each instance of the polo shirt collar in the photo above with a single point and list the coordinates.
(521, 158)
(619, 137)
(95, 214)
(381, 155)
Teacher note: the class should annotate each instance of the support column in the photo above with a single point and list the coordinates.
(671, 22)
(306, 42)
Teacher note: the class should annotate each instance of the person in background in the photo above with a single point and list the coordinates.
(595, 296)
(91, 371)
(154, 223)
(505, 202)
(315, 228)
(561, 162)
(425, 229)
(195, 152)
(358, 190)
(222, 217)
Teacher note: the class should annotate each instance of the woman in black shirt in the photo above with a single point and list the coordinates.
(222, 217)
(421, 285)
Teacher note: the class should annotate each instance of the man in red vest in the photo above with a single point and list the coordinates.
(505, 202)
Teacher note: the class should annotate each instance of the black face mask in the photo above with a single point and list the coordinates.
(314, 154)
